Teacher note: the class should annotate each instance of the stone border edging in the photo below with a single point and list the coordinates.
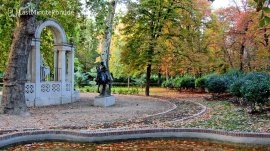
(203, 110)
(93, 136)
(164, 112)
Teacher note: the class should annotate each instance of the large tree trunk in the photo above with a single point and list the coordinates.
(159, 77)
(241, 57)
(148, 75)
(149, 68)
(13, 99)
(242, 48)
(107, 39)
(108, 35)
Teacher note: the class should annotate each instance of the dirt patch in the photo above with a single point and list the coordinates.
(83, 114)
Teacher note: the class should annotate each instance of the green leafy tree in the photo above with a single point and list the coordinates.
(145, 24)
(8, 23)
(263, 6)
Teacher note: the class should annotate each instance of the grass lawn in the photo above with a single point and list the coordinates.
(225, 115)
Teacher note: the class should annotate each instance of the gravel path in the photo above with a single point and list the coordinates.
(128, 112)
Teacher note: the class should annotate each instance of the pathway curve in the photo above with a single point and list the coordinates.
(129, 112)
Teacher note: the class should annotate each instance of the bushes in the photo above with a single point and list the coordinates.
(235, 87)
(177, 82)
(88, 89)
(256, 92)
(115, 90)
(255, 89)
(167, 84)
(125, 90)
(185, 82)
(200, 82)
(232, 76)
(216, 84)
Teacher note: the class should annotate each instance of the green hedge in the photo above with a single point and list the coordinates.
(115, 90)
(216, 84)
(186, 82)
(200, 82)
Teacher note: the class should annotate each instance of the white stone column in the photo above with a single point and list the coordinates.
(55, 64)
(62, 64)
(37, 62)
(69, 69)
(29, 67)
(36, 68)
(72, 68)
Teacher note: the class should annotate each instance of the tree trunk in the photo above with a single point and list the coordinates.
(108, 35)
(13, 99)
(167, 74)
(159, 77)
(128, 81)
(241, 57)
(107, 40)
(149, 67)
(266, 37)
(148, 75)
(242, 48)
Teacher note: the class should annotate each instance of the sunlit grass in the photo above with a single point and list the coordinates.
(226, 116)
(131, 90)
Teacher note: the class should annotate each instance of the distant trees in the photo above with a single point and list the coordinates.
(159, 33)
(243, 42)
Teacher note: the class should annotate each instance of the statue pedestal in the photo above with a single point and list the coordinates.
(104, 101)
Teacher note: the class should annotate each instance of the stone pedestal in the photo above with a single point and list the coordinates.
(104, 101)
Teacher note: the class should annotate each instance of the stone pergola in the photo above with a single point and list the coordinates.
(41, 91)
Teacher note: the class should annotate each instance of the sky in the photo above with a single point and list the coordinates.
(223, 3)
(215, 5)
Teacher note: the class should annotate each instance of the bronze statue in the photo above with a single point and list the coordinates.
(103, 79)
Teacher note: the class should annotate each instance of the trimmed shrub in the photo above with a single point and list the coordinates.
(177, 82)
(200, 82)
(235, 88)
(125, 90)
(256, 89)
(231, 77)
(167, 84)
(256, 92)
(187, 82)
(256, 76)
(88, 89)
(216, 84)
(140, 81)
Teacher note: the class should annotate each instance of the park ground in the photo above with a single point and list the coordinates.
(164, 109)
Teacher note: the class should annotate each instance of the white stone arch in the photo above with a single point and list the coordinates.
(57, 30)
(61, 89)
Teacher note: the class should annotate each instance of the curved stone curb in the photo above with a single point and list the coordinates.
(92, 136)
(169, 110)
(204, 108)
